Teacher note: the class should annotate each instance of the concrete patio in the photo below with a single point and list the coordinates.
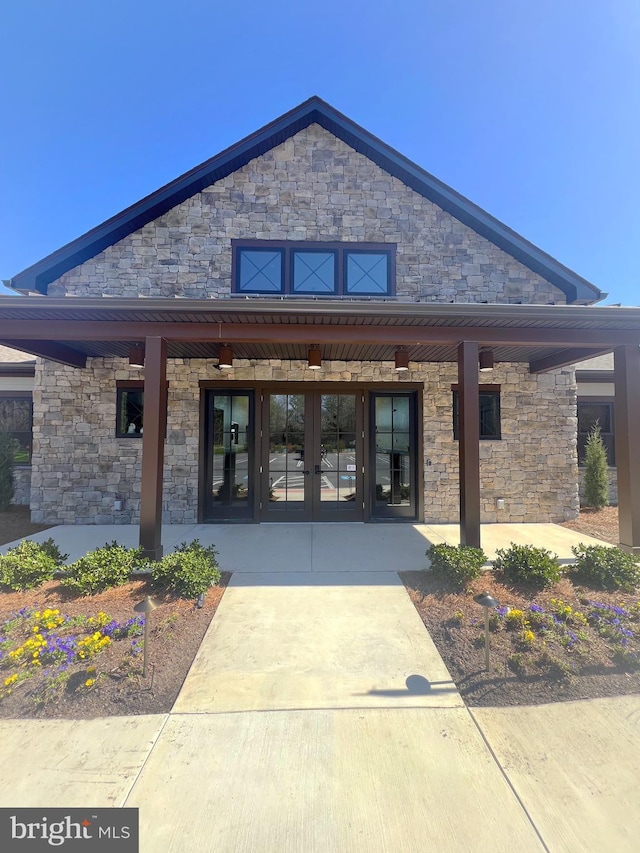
(317, 547)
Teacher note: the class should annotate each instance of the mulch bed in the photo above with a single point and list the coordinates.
(601, 523)
(594, 672)
(176, 631)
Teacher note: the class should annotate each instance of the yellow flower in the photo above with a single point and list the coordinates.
(11, 679)
(89, 682)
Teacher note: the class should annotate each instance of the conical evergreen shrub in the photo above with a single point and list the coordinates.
(596, 474)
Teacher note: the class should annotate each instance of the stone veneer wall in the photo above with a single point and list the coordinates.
(22, 482)
(80, 468)
(311, 187)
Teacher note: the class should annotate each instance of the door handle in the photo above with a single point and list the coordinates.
(306, 473)
(318, 470)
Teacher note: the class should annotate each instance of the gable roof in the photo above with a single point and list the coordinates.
(313, 111)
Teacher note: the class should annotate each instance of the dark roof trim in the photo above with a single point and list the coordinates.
(315, 110)
(10, 368)
(594, 375)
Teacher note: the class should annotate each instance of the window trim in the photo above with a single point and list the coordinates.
(127, 385)
(601, 399)
(288, 249)
(8, 394)
(494, 390)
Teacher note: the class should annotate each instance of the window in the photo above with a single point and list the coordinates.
(489, 412)
(16, 417)
(129, 410)
(325, 269)
(590, 411)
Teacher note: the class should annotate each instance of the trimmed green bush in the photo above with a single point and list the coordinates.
(29, 564)
(459, 565)
(189, 571)
(528, 564)
(606, 568)
(596, 471)
(7, 461)
(102, 568)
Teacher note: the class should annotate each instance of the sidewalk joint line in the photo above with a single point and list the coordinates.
(508, 781)
(144, 763)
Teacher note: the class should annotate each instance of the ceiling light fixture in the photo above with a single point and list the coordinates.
(225, 356)
(136, 356)
(402, 360)
(314, 358)
(485, 360)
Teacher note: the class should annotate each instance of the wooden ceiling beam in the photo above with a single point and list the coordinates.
(564, 358)
(51, 350)
(291, 333)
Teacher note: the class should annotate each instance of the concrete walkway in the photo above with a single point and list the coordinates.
(318, 716)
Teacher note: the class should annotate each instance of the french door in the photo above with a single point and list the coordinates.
(312, 456)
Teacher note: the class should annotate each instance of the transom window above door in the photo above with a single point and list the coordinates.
(270, 267)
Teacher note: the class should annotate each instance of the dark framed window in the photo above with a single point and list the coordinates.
(301, 268)
(16, 418)
(130, 410)
(489, 413)
(592, 410)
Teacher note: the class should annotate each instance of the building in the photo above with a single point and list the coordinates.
(314, 313)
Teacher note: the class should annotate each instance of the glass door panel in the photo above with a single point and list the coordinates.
(229, 477)
(394, 456)
(338, 484)
(285, 466)
(311, 448)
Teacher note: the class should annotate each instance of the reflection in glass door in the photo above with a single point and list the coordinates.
(393, 455)
(311, 464)
(337, 485)
(229, 474)
(285, 466)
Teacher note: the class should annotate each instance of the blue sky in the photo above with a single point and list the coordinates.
(530, 108)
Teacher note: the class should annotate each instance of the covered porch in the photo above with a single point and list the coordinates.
(280, 549)
(71, 331)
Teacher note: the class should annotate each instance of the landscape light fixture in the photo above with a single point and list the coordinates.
(225, 356)
(136, 356)
(486, 601)
(314, 358)
(485, 360)
(145, 607)
(402, 360)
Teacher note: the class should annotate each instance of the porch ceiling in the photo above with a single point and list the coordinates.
(71, 329)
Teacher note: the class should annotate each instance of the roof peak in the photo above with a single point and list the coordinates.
(314, 110)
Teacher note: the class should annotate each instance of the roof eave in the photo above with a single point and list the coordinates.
(38, 276)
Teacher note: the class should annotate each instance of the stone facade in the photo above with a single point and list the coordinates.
(22, 482)
(311, 187)
(81, 468)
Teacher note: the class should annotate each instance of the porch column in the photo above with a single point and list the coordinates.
(469, 443)
(626, 362)
(155, 418)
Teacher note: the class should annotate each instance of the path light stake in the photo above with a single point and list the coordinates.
(486, 601)
(145, 607)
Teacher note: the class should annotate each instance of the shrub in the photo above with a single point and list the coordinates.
(102, 568)
(459, 565)
(27, 565)
(7, 461)
(606, 568)
(189, 571)
(528, 564)
(596, 475)
(49, 547)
